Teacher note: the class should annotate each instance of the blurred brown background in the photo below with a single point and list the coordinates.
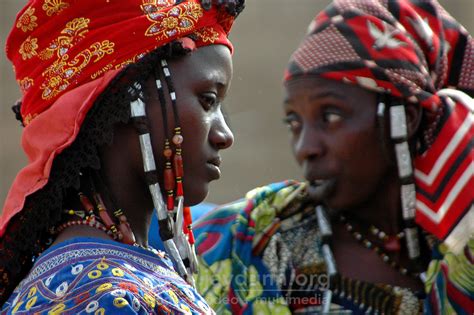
(264, 37)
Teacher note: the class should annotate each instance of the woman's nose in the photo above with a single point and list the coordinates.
(221, 137)
(309, 144)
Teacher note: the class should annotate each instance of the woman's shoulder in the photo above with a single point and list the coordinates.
(93, 275)
(271, 194)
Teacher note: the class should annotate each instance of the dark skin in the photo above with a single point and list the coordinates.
(337, 142)
(201, 80)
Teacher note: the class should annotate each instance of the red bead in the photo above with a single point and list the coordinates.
(191, 237)
(392, 244)
(170, 202)
(86, 203)
(179, 188)
(187, 216)
(167, 153)
(186, 229)
(169, 179)
(127, 234)
(178, 165)
(106, 218)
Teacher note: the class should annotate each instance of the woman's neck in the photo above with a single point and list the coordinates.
(383, 209)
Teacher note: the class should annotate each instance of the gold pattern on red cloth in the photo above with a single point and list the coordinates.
(207, 34)
(178, 20)
(25, 84)
(62, 72)
(27, 21)
(28, 48)
(54, 6)
(73, 33)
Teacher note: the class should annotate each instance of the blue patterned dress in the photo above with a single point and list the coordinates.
(96, 276)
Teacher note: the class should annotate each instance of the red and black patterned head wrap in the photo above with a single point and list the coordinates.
(416, 51)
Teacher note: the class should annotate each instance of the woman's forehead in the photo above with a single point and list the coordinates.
(211, 63)
(317, 87)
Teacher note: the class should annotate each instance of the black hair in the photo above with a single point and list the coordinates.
(28, 233)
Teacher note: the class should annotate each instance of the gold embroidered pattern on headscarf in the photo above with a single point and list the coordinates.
(28, 48)
(27, 21)
(54, 6)
(174, 22)
(74, 32)
(27, 120)
(101, 71)
(152, 6)
(120, 65)
(25, 84)
(61, 73)
(207, 34)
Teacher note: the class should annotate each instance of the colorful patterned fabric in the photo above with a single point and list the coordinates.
(235, 279)
(66, 53)
(95, 276)
(450, 282)
(413, 50)
(230, 277)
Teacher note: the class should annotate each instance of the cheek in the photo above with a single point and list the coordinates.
(195, 133)
(195, 136)
(363, 165)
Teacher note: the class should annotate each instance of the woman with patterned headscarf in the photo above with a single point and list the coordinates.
(120, 100)
(381, 119)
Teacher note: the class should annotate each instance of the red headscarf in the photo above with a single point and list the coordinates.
(65, 53)
(413, 50)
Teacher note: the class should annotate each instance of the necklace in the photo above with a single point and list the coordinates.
(391, 244)
(93, 221)
(119, 231)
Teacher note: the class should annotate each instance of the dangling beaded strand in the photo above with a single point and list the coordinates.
(399, 134)
(168, 176)
(186, 248)
(177, 137)
(326, 235)
(138, 115)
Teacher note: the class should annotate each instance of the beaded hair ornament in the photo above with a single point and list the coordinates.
(174, 219)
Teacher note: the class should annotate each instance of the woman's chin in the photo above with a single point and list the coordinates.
(195, 196)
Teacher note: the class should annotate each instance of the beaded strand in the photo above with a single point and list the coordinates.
(377, 249)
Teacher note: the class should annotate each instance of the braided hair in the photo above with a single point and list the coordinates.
(29, 232)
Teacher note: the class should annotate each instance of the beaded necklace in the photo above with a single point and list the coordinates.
(388, 245)
(122, 233)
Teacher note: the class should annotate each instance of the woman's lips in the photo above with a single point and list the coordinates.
(213, 167)
(214, 171)
(320, 189)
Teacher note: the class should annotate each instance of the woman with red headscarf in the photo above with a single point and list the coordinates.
(121, 99)
(382, 124)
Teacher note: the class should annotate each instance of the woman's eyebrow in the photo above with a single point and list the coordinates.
(325, 94)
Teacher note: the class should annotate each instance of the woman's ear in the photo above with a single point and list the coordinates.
(413, 115)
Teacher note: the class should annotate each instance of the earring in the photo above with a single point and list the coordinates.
(399, 134)
(138, 115)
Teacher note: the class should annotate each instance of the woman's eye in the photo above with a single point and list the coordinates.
(292, 122)
(331, 117)
(208, 100)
